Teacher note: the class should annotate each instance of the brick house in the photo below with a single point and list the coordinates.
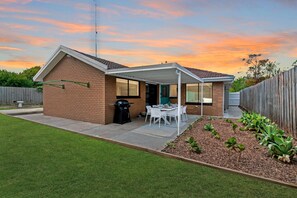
(82, 87)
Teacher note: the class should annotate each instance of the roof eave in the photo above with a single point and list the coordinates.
(219, 79)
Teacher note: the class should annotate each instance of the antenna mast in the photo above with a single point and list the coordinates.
(96, 32)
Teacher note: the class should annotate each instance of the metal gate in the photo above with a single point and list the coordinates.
(234, 98)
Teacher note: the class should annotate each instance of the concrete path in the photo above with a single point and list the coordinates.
(233, 112)
(136, 132)
(21, 111)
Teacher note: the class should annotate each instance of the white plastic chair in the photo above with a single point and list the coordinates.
(184, 112)
(148, 112)
(173, 114)
(157, 113)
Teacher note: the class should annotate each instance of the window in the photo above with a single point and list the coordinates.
(193, 93)
(127, 88)
(173, 91)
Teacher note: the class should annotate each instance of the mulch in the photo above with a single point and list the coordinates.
(253, 160)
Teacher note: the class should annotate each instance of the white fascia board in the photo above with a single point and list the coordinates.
(85, 59)
(37, 75)
(141, 68)
(184, 70)
(62, 49)
(219, 79)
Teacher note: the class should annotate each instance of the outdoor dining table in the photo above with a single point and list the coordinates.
(167, 109)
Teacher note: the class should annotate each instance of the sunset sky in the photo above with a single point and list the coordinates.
(206, 34)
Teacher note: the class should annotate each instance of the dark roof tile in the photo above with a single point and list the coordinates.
(110, 64)
(206, 74)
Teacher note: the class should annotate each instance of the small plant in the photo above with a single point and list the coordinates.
(193, 145)
(234, 127)
(208, 127)
(170, 145)
(242, 129)
(215, 134)
(229, 121)
(232, 144)
(211, 118)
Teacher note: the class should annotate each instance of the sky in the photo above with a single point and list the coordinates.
(207, 34)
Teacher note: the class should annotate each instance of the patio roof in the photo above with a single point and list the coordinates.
(157, 74)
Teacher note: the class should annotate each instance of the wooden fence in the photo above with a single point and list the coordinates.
(275, 98)
(28, 95)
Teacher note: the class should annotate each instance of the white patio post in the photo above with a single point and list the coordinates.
(178, 100)
(201, 98)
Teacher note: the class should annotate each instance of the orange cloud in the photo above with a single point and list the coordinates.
(31, 40)
(172, 8)
(6, 48)
(68, 27)
(158, 43)
(222, 55)
(293, 53)
(18, 64)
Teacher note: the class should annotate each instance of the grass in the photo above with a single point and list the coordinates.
(41, 161)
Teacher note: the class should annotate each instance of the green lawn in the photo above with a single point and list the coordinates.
(40, 161)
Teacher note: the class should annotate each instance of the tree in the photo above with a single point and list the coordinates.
(30, 73)
(23, 79)
(256, 66)
(238, 84)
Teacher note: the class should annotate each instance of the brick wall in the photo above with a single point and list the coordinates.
(94, 104)
(137, 106)
(75, 102)
(216, 109)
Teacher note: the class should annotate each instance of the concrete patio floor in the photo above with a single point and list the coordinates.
(136, 132)
(233, 112)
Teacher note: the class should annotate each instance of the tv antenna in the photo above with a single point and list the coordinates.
(96, 32)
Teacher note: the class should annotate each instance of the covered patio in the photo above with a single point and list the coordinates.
(162, 74)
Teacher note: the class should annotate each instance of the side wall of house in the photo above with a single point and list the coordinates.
(216, 109)
(110, 90)
(75, 102)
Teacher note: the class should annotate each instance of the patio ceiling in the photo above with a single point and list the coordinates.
(156, 74)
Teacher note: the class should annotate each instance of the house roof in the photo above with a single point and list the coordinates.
(109, 64)
(206, 74)
(106, 66)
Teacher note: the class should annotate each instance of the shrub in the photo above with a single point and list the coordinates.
(208, 127)
(282, 148)
(268, 134)
(193, 145)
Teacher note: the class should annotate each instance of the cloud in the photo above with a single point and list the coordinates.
(173, 8)
(18, 63)
(156, 43)
(223, 54)
(7, 48)
(101, 10)
(69, 27)
(14, 38)
(19, 10)
(15, 1)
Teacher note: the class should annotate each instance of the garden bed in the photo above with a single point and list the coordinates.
(253, 160)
